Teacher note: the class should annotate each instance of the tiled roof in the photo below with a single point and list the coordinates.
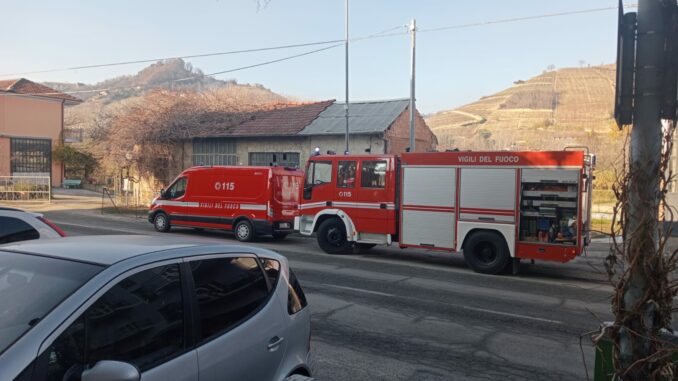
(276, 119)
(364, 117)
(26, 87)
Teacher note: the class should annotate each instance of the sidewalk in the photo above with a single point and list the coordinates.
(79, 201)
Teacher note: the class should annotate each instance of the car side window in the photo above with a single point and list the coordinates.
(13, 229)
(228, 290)
(296, 299)
(66, 356)
(140, 321)
(177, 189)
(272, 270)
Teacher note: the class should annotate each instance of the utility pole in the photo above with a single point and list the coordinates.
(346, 54)
(635, 336)
(413, 33)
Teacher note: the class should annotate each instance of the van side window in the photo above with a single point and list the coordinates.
(177, 189)
(346, 174)
(319, 172)
(373, 174)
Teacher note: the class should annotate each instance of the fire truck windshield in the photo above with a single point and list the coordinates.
(319, 172)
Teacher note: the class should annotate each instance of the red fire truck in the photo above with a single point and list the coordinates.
(248, 200)
(498, 207)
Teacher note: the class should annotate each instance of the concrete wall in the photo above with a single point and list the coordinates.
(398, 134)
(30, 117)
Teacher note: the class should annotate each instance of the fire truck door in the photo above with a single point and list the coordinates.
(376, 196)
(318, 184)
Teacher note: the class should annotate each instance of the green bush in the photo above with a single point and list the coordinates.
(77, 162)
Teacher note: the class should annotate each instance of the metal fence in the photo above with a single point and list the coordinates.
(26, 188)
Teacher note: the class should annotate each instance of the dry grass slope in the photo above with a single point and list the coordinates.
(566, 107)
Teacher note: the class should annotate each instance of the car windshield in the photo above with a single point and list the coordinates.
(31, 286)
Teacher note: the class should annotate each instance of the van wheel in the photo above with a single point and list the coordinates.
(279, 236)
(243, 231)
(161, 222)
(332, 237)
(486, 252)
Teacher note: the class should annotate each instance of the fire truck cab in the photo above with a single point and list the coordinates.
(496, 207)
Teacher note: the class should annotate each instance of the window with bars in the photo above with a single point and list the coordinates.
(31, 155)
(214, 152)
(281, 159)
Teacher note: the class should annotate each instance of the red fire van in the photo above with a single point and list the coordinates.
(250, 201)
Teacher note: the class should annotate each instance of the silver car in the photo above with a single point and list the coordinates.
(18, 225)
(130, 308)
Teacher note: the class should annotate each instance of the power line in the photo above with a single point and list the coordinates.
(381, 34)
(169, 58)
(259, 64)
(524, 18)
(197, 76)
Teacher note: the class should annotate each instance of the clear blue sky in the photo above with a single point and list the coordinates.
(453, 67)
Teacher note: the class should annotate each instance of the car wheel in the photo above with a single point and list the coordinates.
(486, 252)
(279, 236)
(243, 231)
(332, 237)
(161, 222)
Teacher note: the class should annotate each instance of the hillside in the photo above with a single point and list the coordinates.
(160, 75)
(114, 94)
(565, 107)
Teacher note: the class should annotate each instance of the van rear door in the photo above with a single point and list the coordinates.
(286, 187)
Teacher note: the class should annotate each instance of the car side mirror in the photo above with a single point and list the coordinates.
(111, 371)
(162, 192)
(308, 190)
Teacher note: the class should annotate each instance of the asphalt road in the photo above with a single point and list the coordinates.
(393, 314)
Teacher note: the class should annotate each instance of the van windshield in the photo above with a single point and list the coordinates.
(31, 286)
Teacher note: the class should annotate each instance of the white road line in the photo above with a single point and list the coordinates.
(461, 306)
(506, 314)
(357, 290)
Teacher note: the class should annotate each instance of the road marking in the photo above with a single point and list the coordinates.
(506, 314)
(461, 306)
(357, 289)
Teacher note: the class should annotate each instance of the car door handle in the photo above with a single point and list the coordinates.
(274, 342)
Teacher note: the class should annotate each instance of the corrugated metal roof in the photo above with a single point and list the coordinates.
(364, 118)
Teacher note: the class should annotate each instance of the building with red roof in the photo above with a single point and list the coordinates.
(31, 126)
(287, 134)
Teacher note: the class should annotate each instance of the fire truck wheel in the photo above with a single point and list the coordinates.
(332, 237)
(243, 231)
(486, 252)
(161, 222)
